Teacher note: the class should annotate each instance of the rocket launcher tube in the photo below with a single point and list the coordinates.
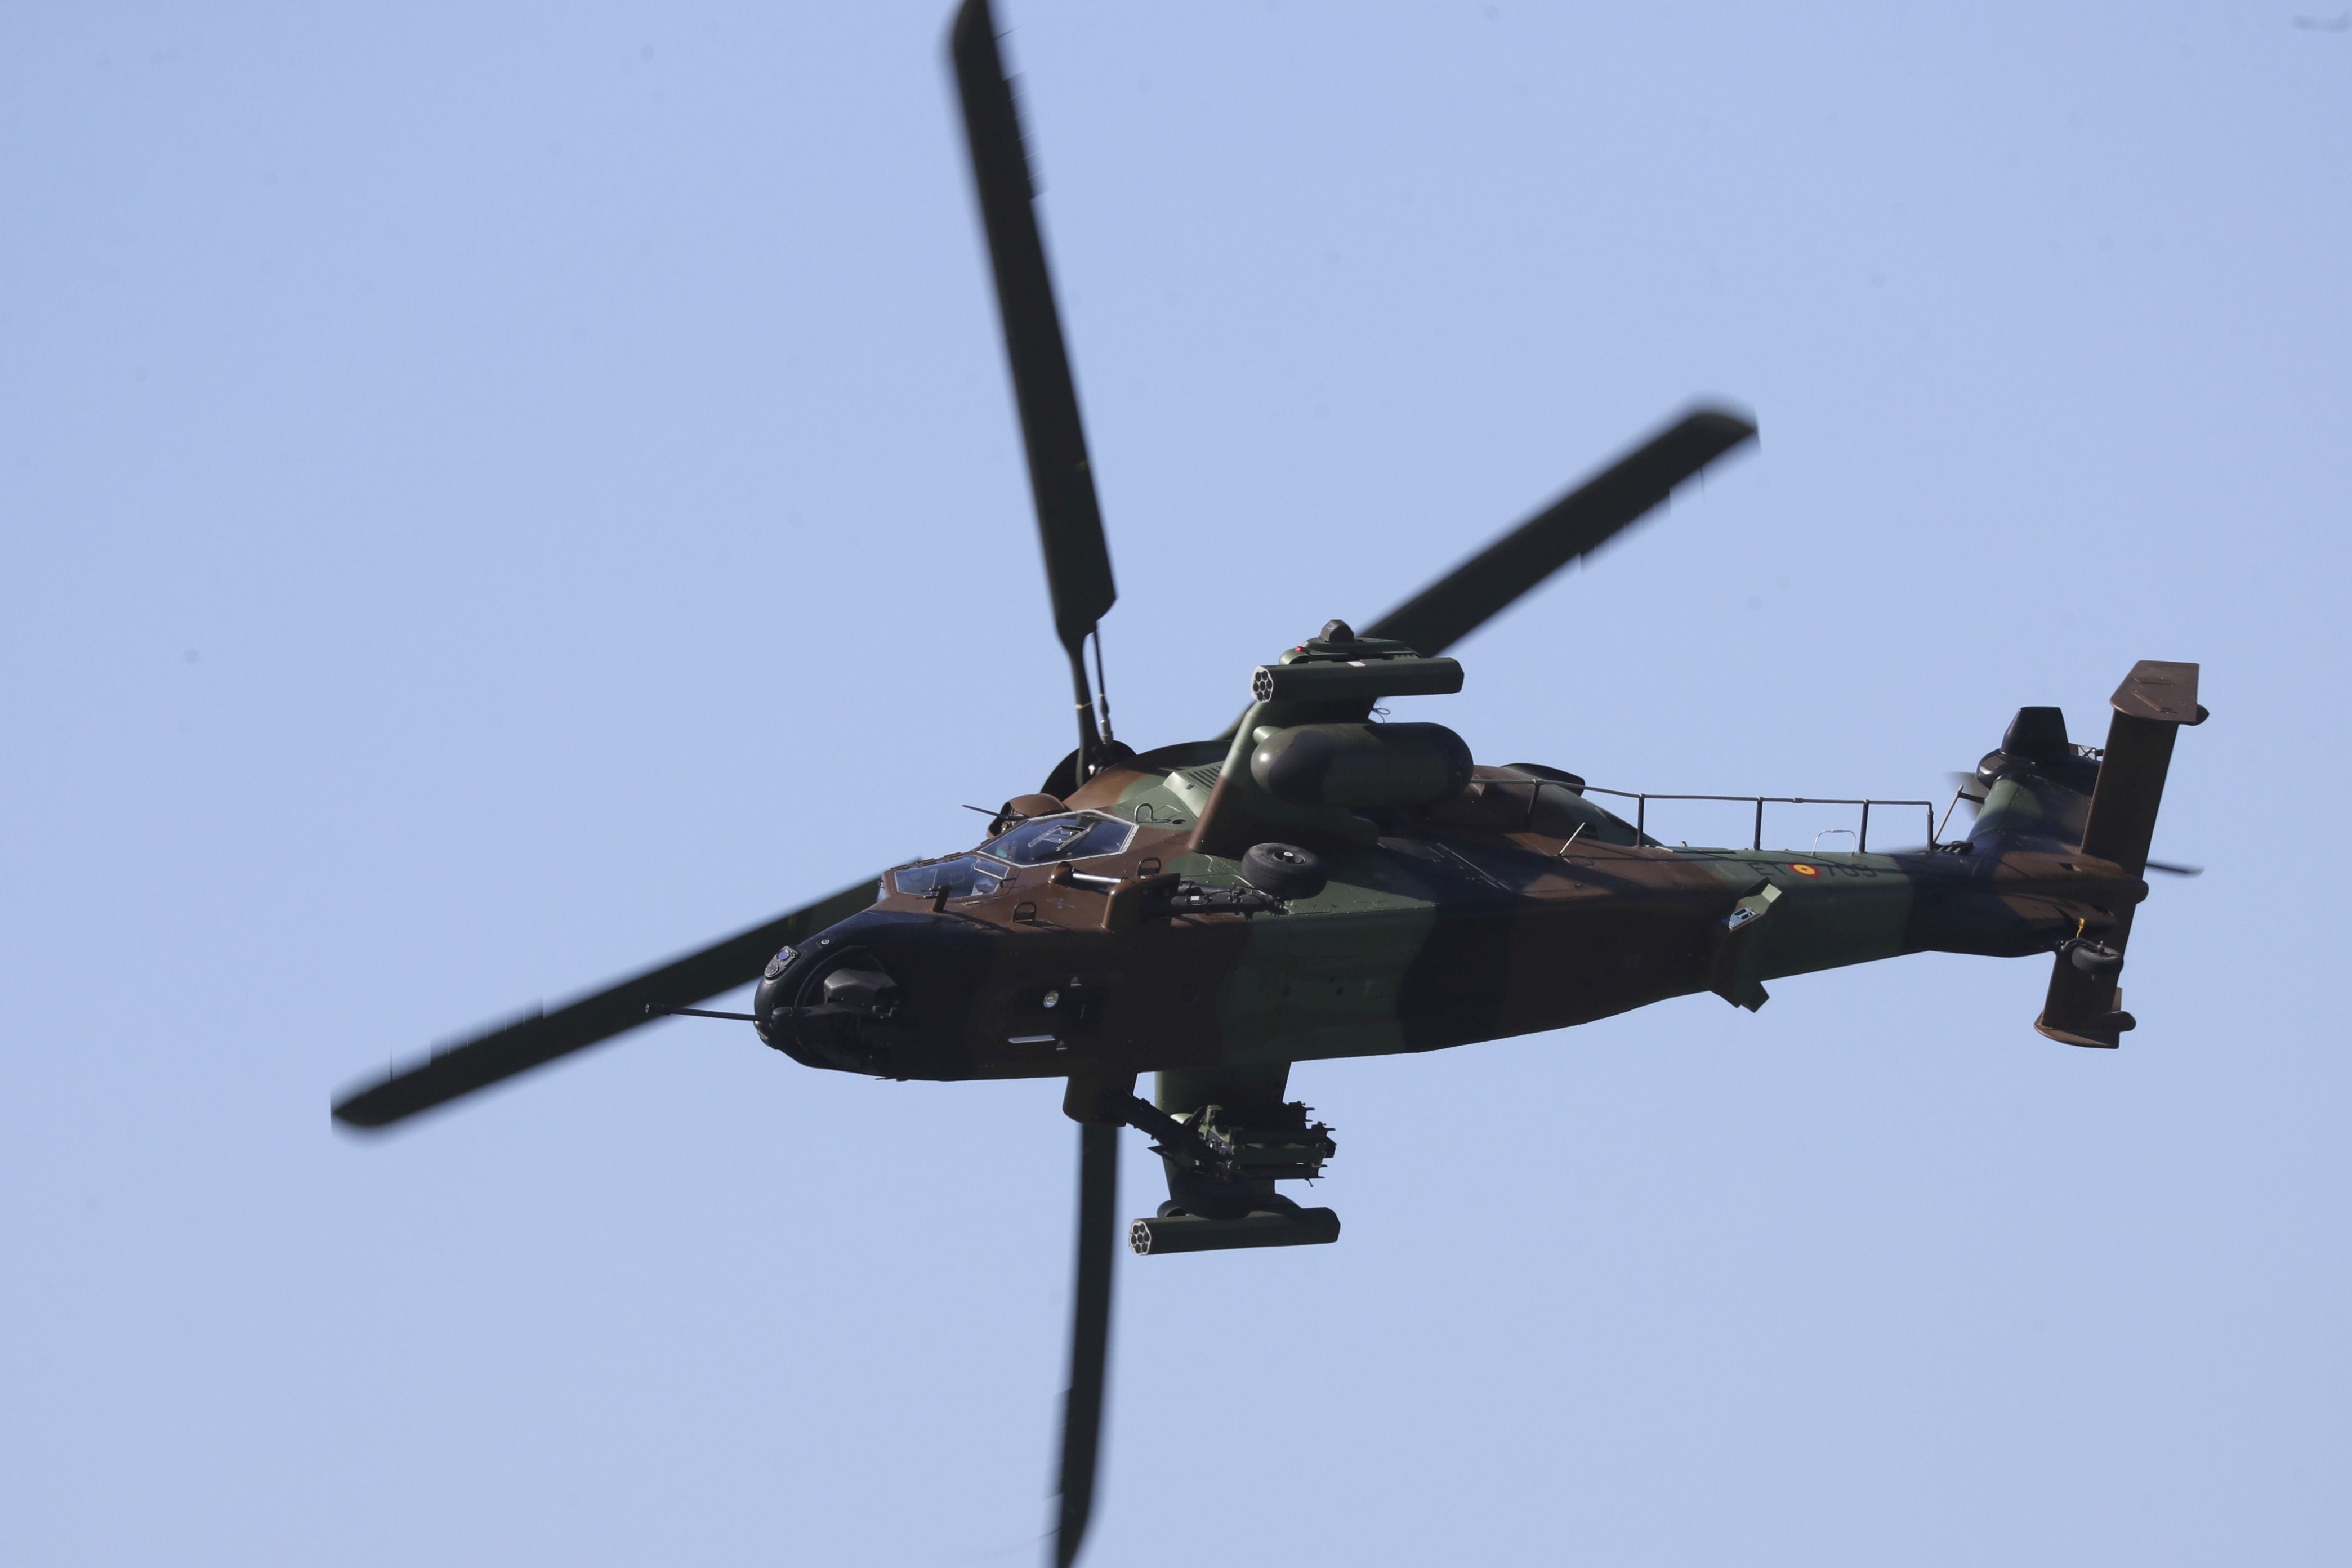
(1341, 680)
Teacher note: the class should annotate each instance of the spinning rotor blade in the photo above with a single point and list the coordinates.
(1576, 525)
(1081, 1407)
(1078, 561)
(538, 1037)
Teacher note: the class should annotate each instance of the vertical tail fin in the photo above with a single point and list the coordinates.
(2084, 1006)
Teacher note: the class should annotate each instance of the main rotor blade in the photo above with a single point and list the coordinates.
(538, 1037)
(1078, 561)
(1576, 525)
(1082, 1406)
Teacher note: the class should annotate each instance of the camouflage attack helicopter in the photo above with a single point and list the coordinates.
(1314, 884)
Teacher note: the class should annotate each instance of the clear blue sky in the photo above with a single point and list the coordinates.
(495, 495)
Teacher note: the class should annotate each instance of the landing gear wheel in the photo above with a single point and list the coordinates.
(2091, 957)
(1286, 870)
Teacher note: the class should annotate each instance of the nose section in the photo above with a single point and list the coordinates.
(883, 993)
(863, 990)
(829, 1009)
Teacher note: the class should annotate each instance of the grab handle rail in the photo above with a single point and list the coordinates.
(1642, 799)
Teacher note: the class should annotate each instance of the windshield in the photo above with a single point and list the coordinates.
(963, 876)
(1080, 835)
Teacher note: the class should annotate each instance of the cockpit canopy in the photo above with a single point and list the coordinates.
(1071, 836)
(1040, 841)
(962, 876)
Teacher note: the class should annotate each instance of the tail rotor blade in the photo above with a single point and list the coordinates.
(1082, 1409)
(1576, 525)
(538, 1037)
(1078, 561)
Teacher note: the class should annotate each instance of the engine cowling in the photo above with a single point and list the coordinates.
(1363, 767)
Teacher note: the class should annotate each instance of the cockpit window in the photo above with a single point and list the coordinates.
(963, 876)
(1077, 836)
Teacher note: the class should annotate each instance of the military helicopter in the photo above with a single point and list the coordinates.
(1317, 884)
